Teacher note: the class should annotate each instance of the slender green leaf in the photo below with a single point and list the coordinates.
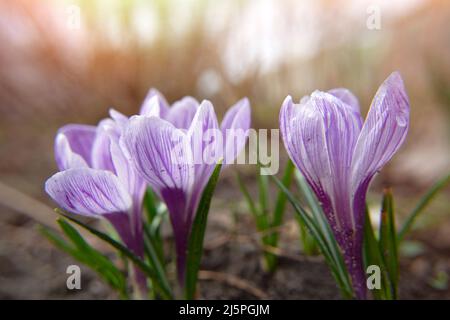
(254, 210)
(423, 202)
(263, 185)
(87, 255)
(280, 203)
(96, 260)
(150, 204)
(156, 212)
(260, 214)
(325, 240)
(155, 261)
(388, 240)
(166, 292)
(373, 256)
(61, 244)
(195, 244)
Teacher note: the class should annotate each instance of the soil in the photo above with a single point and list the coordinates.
(31, 268)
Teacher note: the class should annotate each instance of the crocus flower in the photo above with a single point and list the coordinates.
(339, 155)
(175, 149)
(96, 180)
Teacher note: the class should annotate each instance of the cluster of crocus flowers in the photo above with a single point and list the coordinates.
(339, 155)
(104, 170)
(175, 149)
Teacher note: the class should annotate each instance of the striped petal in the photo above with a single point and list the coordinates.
(88, 192)
(154, 104)
(65, 157)
(78, 139)
(235, 129)
(159, 152)
(182, 112)
(347, 97)
(206, 141)
(120, 119)
(101, 152)
(384, 130)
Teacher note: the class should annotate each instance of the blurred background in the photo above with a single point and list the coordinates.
(70, 61)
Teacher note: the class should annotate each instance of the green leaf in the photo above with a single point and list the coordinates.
(87, 255)
(388, 240)
(307, 242)
(166, 292)
(373, 256)
(320, 230)
(156, 212)
(61, 244)
(195, 244)
(260, 214)
(155, 260)
(280, 203)
(263, 184)
(254, 210)
(423, 202)
(150, 204)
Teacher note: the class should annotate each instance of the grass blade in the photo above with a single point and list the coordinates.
(155, 261)
(373, 256)
(254, 210)
(280, 204)
(195, 244)
(388, 240)
(87, 255)
(124, 251)
(261, 215)
(325, 240)
(423, 202)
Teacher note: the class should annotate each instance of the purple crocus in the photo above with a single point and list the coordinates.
(339, 155)
(175, 149)
(96, 180)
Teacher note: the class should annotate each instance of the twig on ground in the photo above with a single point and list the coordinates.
(233, 281)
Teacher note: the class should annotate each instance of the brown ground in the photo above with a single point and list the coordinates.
(30, 268)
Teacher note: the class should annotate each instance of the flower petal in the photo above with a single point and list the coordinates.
(235, 129)
(120, 119)
(206, 141)
(320, 135)
(347, 97)
(66, 158)
(78, 139)
(384, 130)
(88, 191)
(125, 171)
(160, 153)
(149, 104)
(303, 135)
(182, 112)
(101, 152)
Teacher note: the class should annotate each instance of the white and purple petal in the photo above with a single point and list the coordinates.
(80, 139)
(65, 157)
(101, 152)
(206, 140)
(154, 104)
(88, 192)
(182, 112)
(235, 129)
(347, 97)
(159, 152)
(383, 132)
